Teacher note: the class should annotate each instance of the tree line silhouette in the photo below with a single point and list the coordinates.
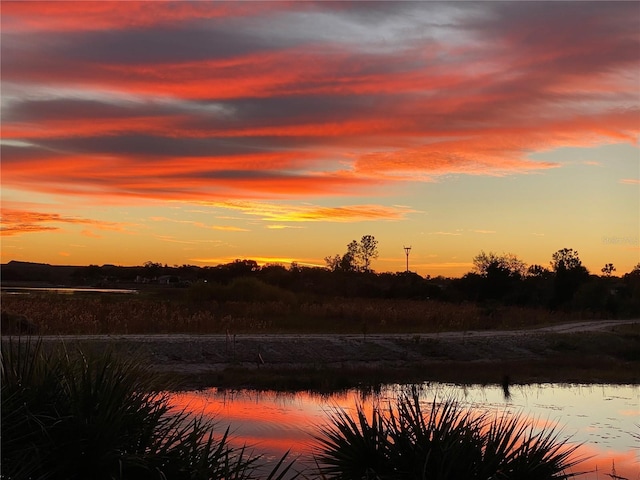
(495, 279)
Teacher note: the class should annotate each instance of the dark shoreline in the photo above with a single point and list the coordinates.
(330, 379)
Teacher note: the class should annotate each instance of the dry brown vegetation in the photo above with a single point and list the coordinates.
(172, 311)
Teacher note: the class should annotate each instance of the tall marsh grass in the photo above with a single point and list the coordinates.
(76, 415)
(445, 443)
(208, 309)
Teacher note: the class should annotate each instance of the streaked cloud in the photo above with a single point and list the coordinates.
(17, 222)
(229, 228)
(630, 181)
(282, 227)
(314, 213)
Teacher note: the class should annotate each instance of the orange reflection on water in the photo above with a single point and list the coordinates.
(269, 422)
(601, 464)
(273, 423)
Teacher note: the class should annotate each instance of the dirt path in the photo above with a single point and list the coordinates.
(572, 327)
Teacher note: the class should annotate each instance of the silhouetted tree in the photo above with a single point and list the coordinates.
(508, 262)
(367, 251)
(348, 263)
(242, 267)
(499, 274)
(538, 271)
(608, 269)
(341, 263)
(569, 275)
(631, 291)
(357, 258)
(275, 274)
(152, 269)
(565, 259)
(350, 259)
(332, 262)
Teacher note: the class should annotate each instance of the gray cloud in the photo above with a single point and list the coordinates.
(157, 146)
(75, 109)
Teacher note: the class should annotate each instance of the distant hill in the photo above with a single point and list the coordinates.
(16, 271)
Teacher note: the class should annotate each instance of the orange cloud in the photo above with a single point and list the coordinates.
(229, 228)
(16, 222)
(60, 16)
(281, 227)
(176, 178)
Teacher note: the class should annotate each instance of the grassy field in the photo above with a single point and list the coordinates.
(176, 311)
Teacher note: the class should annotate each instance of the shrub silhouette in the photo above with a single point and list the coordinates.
(79, 415)
(447, 442)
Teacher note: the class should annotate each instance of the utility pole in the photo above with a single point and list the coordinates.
(406, 251)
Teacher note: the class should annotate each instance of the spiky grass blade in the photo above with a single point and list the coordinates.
(82, 414)
(447, 442)
(354, 448)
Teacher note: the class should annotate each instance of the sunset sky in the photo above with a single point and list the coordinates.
(203, 132)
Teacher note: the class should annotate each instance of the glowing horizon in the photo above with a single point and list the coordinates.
(192, 133)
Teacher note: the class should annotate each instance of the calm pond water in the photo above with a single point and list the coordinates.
(602, 417)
